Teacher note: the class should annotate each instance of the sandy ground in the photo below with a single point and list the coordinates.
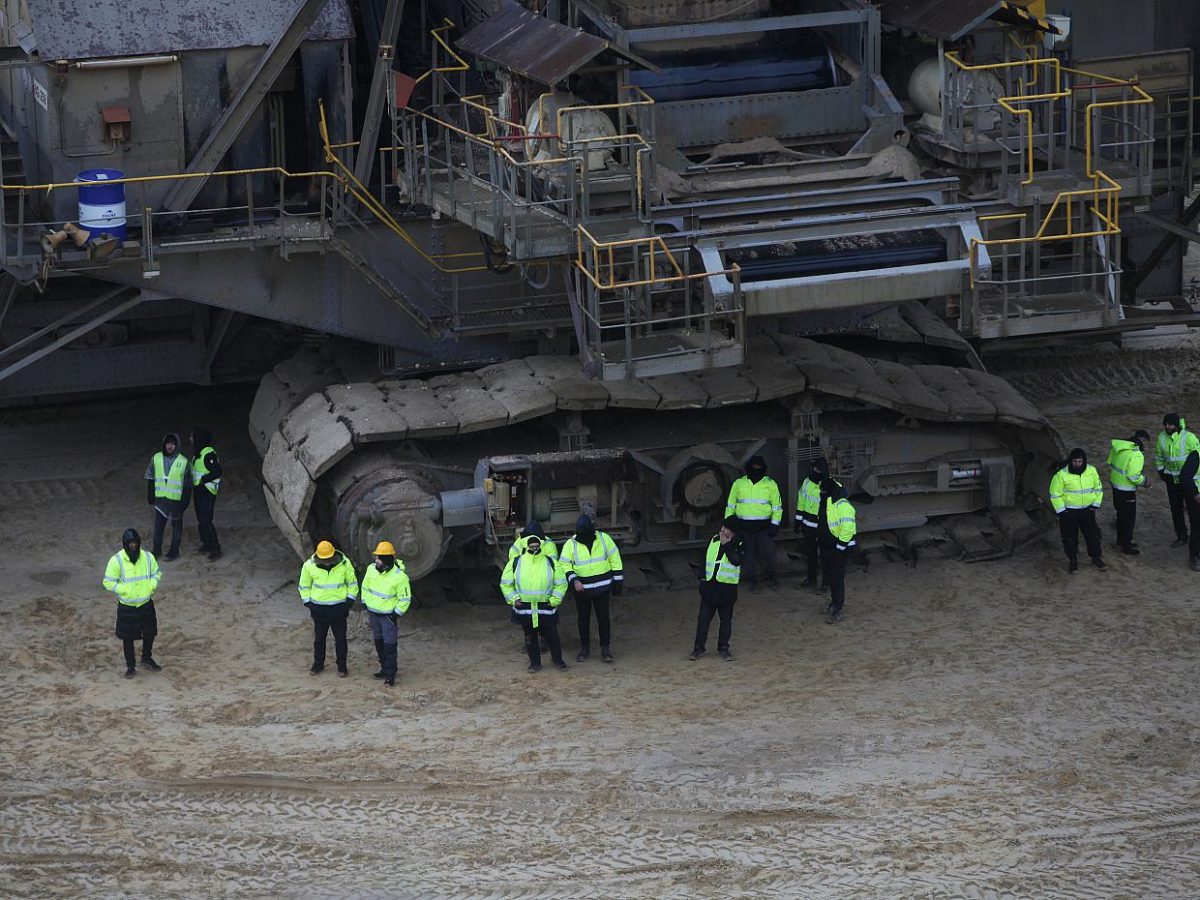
(994, 730)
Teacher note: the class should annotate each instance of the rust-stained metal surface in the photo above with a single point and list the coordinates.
(84, 29)
(938, 18)
(531, 45)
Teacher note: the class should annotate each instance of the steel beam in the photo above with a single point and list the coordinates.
(59, 322)
(71, 335)
(388, 35)
(721, 29)
(1188, 234)
(1156, 255)
(238, 113)
(10, 294)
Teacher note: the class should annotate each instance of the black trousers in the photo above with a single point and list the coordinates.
(205, 505)
(715, 599)
(325, 619)
(160, 528)
(1125, 503)
(1177, 496)
(833, 567)
(147, 647)
(810, 547)
(548, 629)
(757, 550)
(1073, 521)
(1193, 512)
(584, 603)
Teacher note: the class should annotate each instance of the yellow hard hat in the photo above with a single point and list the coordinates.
(325, 550)
(385, 548)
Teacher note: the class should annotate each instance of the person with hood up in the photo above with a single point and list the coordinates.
(1125, 462)
(168, 489)
(534, 585)
(1076, 494)
(387, 595)
(206, 481)
(328, 587)
(132, 574)
(808, 505)
(1171, 450)
(533, 529)
(718, 589)
(593, 568)
(836, 533)
(754, 499)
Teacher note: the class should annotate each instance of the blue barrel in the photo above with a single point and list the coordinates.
(102, 205)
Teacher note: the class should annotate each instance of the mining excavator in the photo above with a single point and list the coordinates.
(589, 256)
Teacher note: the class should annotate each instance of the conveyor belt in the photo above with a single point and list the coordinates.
(851, 253)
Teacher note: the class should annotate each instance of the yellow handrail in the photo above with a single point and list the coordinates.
(361, 193)
(461, 64)
(178, 176)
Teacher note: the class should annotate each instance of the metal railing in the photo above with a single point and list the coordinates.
(641, 297)
(163, 229)
(1112, 131)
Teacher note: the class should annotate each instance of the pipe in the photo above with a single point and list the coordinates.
(125, 62)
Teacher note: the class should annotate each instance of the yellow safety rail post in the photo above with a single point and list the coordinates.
(1102, 200)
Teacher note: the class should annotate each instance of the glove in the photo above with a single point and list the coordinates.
(150, 492)
(772, 530)
(619, 586)
(1164, 476)
(517, 604)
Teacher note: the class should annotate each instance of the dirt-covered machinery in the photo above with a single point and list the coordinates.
(451, 467)
(589, 255)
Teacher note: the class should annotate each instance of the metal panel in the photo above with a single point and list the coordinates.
(936, 18)
(532, 45)
(245, 104)
(717, 120)
(81, 29)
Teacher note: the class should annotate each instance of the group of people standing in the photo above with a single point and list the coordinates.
(537, 577)
(1076, 492)
(132, 573)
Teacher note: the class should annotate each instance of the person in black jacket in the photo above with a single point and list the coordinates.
(1191, 490)
(206, 481)
(718, 588)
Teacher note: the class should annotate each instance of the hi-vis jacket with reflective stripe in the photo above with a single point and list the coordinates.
(387, 592)
(200, 469)
(134, 583)
(597, 566)
(752, 502)
(326, 588)
(535, 580)
(808, 503)
(168, 483)
(1125, 462)
(518, 547)
(1068, 491)
(841, 522)
(1171, 450)
(722, 570)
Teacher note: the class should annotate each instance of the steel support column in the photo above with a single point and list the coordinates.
(388, 35)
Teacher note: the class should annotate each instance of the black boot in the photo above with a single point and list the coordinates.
(389, 664)
(534, 651)
(379, 651)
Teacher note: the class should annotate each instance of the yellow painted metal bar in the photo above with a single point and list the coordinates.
(361, 193)
(461, 64)
(179, 176)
